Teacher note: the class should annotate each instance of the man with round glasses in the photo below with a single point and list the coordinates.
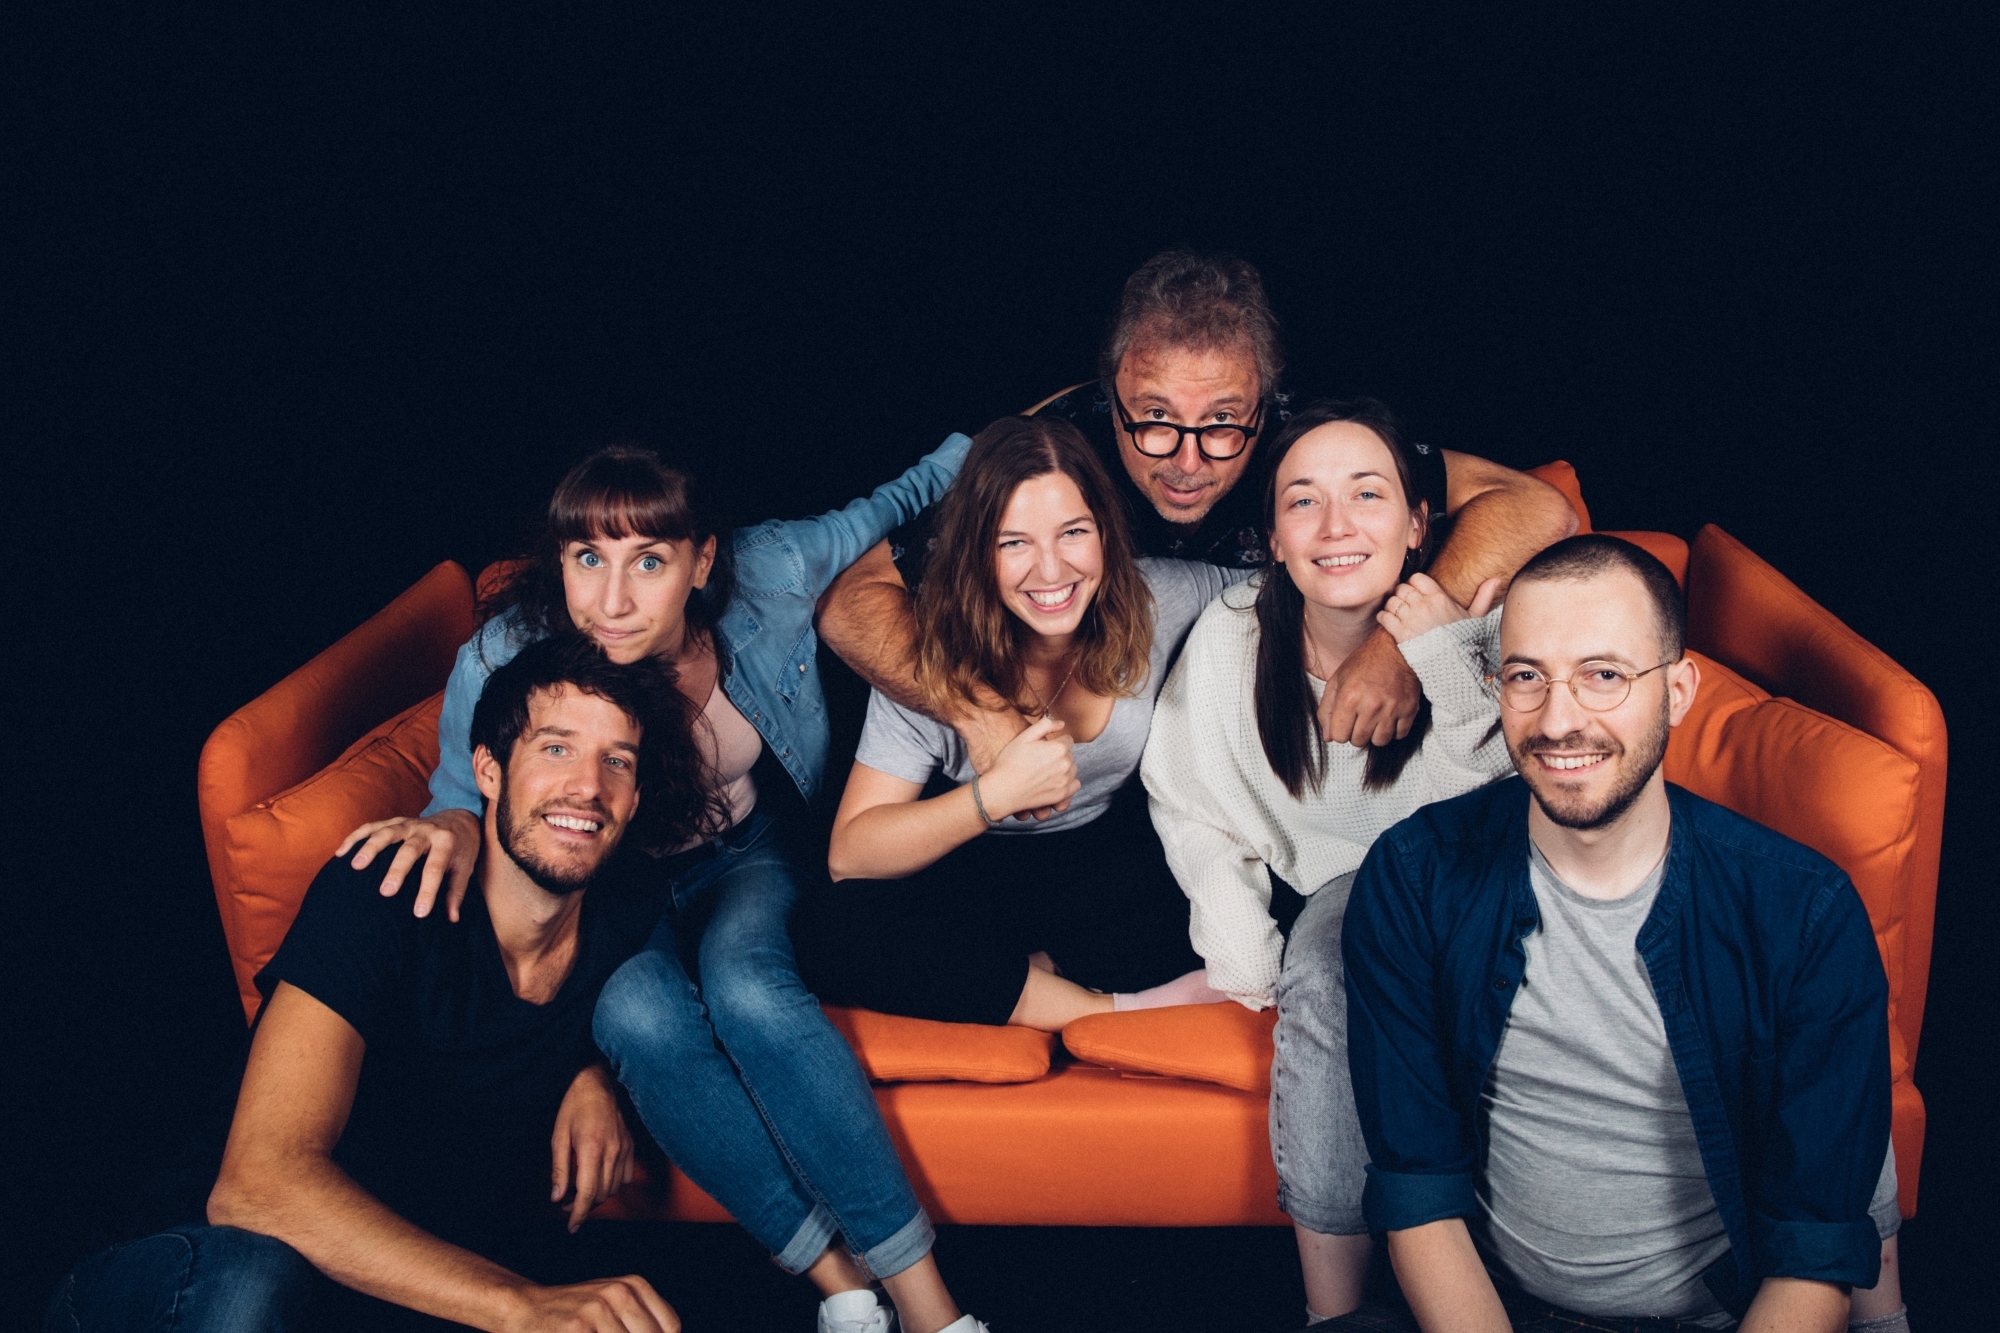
(1189, 382)
(1619, 1055)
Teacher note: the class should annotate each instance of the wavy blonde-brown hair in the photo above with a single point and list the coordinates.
(966, 636)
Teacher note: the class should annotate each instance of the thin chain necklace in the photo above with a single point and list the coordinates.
(1051, 702)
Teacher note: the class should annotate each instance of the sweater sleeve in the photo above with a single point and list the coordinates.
(1465, 748)
(1188, 763)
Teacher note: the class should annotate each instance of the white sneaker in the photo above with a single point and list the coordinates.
(855, 1312)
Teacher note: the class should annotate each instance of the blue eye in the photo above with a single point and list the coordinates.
(651, 563)
(589, 559)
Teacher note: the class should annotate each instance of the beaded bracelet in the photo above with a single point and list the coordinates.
(980, 806)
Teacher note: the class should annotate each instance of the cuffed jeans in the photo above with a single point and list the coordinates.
(194, 1279)
(740, 1077)
(1315, 1131)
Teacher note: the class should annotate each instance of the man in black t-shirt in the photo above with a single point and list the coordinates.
(1188, 386)
(407, 1078)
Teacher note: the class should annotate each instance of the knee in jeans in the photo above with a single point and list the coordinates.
(647, 1005)
(744, 998)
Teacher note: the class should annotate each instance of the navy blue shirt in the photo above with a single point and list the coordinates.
(1769, 984)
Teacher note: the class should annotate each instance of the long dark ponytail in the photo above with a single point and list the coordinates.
(1286, 710)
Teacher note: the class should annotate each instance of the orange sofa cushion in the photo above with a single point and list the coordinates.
(278, 846)
(893, 1049)
(1838, 790)
(1215, 1043)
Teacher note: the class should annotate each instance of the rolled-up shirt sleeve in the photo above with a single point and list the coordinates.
(1809, 1186)
(1421, 1145)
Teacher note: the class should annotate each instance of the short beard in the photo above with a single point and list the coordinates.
(1635, 772)
(514, 832)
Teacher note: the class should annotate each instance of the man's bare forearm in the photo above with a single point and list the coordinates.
(868, 618)
(308, 1202)
(1500, 520)
(1445, 1283)
(1796, 1305)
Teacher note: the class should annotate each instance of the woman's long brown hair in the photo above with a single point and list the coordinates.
(966, 636)
(1286, 712)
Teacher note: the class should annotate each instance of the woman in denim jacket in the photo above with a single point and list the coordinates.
(737, 1073)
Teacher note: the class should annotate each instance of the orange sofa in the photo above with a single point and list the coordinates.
(1158, 1118)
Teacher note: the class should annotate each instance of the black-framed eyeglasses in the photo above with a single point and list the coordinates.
(1597, 686)
(1162, 439)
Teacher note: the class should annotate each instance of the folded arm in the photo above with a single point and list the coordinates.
(884, 831)
(279, 1179)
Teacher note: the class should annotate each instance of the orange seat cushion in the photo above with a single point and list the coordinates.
(1215, 1043)
(893, 1049)
(278, 846)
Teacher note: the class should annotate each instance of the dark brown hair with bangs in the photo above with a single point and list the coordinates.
(966, 636)
(619, 491)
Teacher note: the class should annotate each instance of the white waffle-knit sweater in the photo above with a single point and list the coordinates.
(1222, 814)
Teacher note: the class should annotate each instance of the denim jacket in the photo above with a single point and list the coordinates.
(766, 637)
(1768, 980)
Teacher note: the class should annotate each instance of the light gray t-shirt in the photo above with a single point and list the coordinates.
(906, 744)
(1594, 1196)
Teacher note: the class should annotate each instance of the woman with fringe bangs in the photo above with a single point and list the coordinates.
(1250, 802)
(728, 1059)
(955, 901)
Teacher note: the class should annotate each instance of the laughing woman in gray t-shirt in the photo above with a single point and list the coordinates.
(1032, 596)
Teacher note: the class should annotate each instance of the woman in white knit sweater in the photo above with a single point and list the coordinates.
(1265, 824)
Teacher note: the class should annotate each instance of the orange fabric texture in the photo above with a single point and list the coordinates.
(1215, 1043)
(1563, 477)
(893, 1049)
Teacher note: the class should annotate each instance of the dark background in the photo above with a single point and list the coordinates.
(299, 305)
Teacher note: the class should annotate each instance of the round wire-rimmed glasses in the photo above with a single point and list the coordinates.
(1596, 686)
(1162, 439)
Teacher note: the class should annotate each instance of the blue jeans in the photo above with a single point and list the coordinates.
(1315, 1130)
(740, 1077)
(193, 1279)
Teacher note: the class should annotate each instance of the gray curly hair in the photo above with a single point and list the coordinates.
(1202, 302)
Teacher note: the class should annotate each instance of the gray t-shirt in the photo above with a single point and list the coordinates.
(1593, 1194)
(906, 744)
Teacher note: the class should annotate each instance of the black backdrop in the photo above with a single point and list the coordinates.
(300, 305)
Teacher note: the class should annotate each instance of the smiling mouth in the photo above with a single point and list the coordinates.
(1570, 763)
(1340, 561)
(574, 823)
(1054, 599)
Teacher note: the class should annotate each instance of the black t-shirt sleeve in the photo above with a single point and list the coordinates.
(1431, 480)
(910, 547)
(348, 946)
